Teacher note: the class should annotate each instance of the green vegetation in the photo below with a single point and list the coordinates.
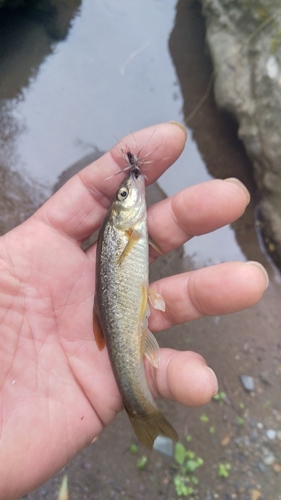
(223, 469)
(204, 419)
(63, 491)
(275, 42)
(240, 421)
(186, 465)
(220, 397)
(141, 462)
(134, 448)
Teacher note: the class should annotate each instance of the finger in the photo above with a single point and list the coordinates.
(215, 290)
(78, 208)
(196, 210)
(183, 377)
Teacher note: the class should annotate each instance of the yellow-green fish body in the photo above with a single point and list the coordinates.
(121, 305)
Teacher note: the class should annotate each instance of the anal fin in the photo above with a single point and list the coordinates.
(151, 348)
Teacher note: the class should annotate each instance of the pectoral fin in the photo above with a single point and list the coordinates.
(156, 300)
(150, 347)
(99, 336)
(133, 237)
(155, 246)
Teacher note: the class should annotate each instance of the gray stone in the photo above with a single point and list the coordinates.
(269, 459)
(247, 382)
(244, 41)
(261, 466)
(164, 445)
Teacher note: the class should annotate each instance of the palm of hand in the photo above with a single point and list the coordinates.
(57, 391)
(51, 370)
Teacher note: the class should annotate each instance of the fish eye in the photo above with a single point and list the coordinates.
(122, 193)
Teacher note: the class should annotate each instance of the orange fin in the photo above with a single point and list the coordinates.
(147, 428)
(133, 237)
(99, 336)
(155, 246)
(156, 300)
(151, 348)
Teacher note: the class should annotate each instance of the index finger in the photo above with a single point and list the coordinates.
(79, 207)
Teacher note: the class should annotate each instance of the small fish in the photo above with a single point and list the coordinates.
(121, 307)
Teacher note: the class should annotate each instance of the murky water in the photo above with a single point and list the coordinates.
(123, 66)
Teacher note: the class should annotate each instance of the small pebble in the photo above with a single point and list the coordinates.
(247, 382)
(271, 434)
(254, 435)
(277, 468)
(269, 459)
(261, 466)
(164, 445)
(265, 377)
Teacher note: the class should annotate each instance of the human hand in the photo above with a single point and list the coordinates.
(57, 390)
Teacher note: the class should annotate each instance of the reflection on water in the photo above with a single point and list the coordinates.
(25, 43)
(61, 101)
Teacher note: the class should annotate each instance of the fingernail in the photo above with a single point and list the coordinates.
(181, 126)
(216, 385)
(262, 269)
(241, 185)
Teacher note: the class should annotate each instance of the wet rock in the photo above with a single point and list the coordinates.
(247, 382)
(244, 41)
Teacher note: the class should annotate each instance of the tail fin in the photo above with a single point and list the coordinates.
(149, 427)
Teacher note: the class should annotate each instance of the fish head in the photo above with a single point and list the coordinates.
(129, 205)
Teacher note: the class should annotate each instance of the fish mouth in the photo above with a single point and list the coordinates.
(135, 172)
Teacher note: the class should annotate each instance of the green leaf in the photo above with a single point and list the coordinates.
(181, 488)
(134, 448)
(223, 469)
(204, 418)
(141, 462)
(191, 465)
(180, 453)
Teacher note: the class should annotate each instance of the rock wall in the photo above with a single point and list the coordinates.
(244, 37)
